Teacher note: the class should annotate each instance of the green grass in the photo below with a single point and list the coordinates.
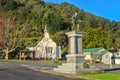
(59, 61)
(104, 76)
(17, 60)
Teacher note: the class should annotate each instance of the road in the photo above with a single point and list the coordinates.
(15, 71)
(31, 70)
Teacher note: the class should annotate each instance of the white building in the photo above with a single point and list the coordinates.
(115, 58)
(47, 48)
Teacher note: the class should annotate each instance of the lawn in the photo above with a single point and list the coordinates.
(104, 76)
(58, 61)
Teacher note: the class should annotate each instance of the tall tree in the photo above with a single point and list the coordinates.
(13, 33)
(95, 37)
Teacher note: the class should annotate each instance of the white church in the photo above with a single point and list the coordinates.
(47, 48)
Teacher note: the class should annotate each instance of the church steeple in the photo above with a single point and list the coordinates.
(45, 30)
(46, 34)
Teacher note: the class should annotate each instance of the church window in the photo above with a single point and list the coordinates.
(48, 49)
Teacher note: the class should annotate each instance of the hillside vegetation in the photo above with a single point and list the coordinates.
(99, 32)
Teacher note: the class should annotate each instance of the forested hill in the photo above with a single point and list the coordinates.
(99, 32)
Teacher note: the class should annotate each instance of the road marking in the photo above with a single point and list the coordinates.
(33, 68)
(37, 68)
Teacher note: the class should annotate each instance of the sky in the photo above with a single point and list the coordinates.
(109, 9)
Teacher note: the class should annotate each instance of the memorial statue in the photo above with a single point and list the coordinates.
(74, 18)
(78, 27)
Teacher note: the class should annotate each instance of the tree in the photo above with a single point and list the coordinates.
(8, 5)
(95, 37)
(53, 21)
(61, 39)
(13, 33)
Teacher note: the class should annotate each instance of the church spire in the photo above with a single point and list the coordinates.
(45, 30)
(46, 34)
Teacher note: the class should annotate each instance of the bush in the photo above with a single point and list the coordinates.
(85, 65)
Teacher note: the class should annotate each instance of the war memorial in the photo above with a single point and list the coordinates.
(75, 58)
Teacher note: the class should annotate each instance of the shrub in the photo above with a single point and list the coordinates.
(85, 65)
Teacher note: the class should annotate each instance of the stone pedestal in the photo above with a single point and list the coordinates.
(75, 58)
(73, 66)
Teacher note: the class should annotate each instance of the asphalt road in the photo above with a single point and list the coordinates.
(30, 70)
(14, 71)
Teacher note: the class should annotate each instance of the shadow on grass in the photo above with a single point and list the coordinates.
(113, 69)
